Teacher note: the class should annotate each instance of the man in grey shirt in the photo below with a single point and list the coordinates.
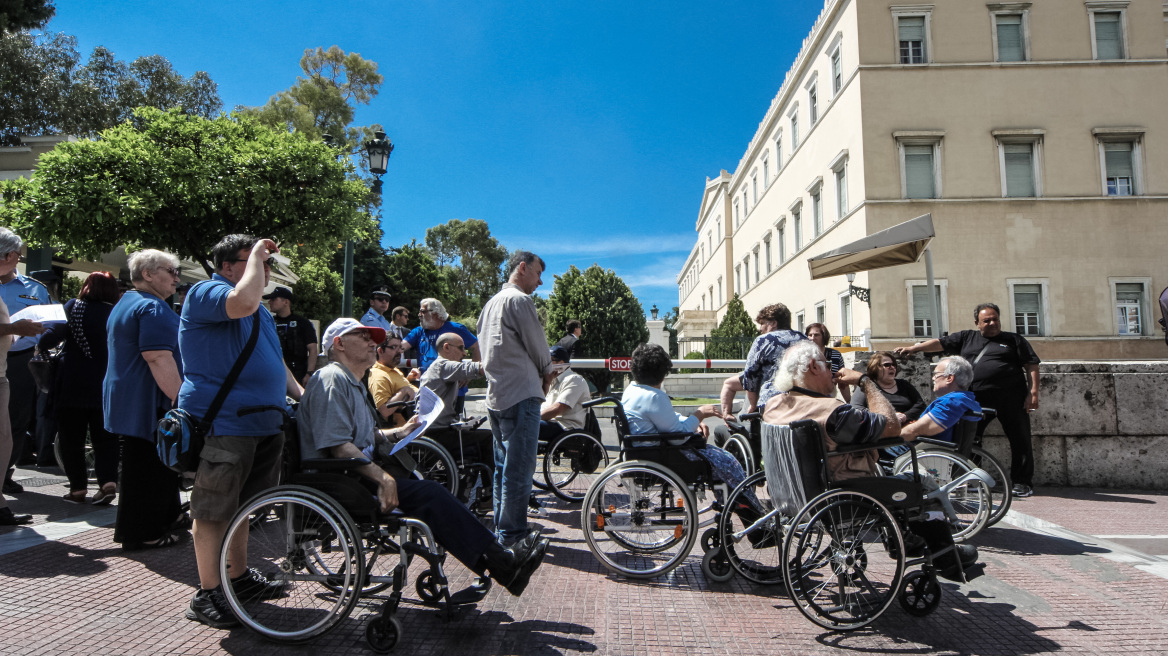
(518, 369)
(447, 374)
(336, 420)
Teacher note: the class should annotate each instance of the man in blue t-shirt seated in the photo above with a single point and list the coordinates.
(953, 400)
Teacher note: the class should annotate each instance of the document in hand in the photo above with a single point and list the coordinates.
(428, 409)
(41, 313)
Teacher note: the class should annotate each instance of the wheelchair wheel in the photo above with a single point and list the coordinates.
(1000, 495)
(382, 633)
(846, 560)
(573, 463)
(300, 527)
(757, 556)
(639, 519)
(434, 462)
(970, 501)
(716, 566)
(920, 594)
(739, 447)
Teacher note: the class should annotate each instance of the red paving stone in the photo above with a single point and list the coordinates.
(1041, 594)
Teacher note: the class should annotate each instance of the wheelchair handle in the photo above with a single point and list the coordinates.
(603, 399)
(749, 416)
(841, 449)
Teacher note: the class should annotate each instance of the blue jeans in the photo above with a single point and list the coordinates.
(516, 440)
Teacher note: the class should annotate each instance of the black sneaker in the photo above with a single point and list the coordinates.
(12, 487)
(254, 585)
(9, 518)
(210, 607)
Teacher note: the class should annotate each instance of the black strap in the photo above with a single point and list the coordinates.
(236, 369)
(982, 352)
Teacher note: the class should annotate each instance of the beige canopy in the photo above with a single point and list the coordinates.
(903, 243)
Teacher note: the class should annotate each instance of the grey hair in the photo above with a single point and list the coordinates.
(149, 260)
(959, 368)
(446, 338)
(10, 242)
(435, 306)
(797, 361)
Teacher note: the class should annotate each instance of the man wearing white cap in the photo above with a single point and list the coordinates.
(337, 421)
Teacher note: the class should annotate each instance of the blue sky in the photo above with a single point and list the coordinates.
(583, 131)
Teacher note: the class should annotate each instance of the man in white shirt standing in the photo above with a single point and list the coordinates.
(519, 370)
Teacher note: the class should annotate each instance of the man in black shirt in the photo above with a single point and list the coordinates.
(1005, 378)
(297, 336)
(569, 340)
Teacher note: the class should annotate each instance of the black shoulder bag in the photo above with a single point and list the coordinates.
(180, 434)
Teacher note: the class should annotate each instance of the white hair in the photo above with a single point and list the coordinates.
(797, 361)
(149, 260)
(959, 368)
(10, 242)
(435, 306)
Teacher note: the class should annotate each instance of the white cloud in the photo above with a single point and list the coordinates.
(612, 245)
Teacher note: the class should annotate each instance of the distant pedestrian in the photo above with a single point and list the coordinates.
(572, 337)
(297, 336)
(378, 305)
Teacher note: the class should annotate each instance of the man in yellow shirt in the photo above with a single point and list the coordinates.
(386, 382)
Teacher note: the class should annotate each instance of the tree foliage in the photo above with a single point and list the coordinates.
(179, 182)
(670, 320)
(412, 275)
(611, 316)
(471, 261)
(44, 90)
(318, 292)
(323, 100)
(16, 15)
(732, 338)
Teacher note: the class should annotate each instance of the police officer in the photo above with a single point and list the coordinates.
(297, 336)
(378, 306)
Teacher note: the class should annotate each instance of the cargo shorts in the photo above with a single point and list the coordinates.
(233, 469)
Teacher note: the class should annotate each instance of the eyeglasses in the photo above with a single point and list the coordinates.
(889, 365)
(940, 374)
(457, 346)
(172, 271)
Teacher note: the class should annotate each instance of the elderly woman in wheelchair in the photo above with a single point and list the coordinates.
(329, 523)
(838, 534)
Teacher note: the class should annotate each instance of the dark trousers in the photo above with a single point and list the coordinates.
(21, 403)
(549, 430)
(148, 501)
(1010, 405)
(454, 527)
(73, 424)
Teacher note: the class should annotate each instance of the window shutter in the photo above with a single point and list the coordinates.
(1119, 159)
(1019, 170)
(912, 28)
(918, 172)
(1108, 44)
(1010, 46)
(1028, 299)
(1129, 292)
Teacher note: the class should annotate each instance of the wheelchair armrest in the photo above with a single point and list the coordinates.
(935, 442)
(603, 399)
(470, 424)
(841, 449)
(333, 464)
(749, 416)
(661, 440)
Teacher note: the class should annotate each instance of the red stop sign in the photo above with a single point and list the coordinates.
(619, 364)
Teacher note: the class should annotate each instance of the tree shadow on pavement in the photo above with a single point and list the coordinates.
(55, 558)
(1101, 495)
(1006, 539)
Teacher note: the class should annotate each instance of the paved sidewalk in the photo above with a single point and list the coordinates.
(1075, 571)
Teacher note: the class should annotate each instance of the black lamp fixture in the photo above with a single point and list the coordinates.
(653, 311)
(378, 151)
(862, 293)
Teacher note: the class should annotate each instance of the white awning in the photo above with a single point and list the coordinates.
(903, 243)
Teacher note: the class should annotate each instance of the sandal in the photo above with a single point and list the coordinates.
(105, 495)
(75, 496)
(168, 540)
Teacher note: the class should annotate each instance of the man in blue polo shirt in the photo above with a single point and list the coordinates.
(433, 322)
(241, 455)
(951, 379)
(18, 292)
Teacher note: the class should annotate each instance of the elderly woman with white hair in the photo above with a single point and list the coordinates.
(142, 382)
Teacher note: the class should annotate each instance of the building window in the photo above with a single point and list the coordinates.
(813, 104)
(712, 306)
(794, 116)
(920, 163)
(1107, 38)
(912, 35)
(782, 237)
(1010, 36)
(745, 206)
(767, 247)
(800, 321)
(920, 323)
(779, 150)
(738, 279)
(821, 312)
(757, 274)
(837, 71)
(754, 187)
(719, 291)
(735, 215)
(840, 168)
(1019, 153)
(710, 242)
(1129, 303)
(766, 171)
(845, 301)
(797, 219)
(817, 210)
(1119, 158)
(719, 227)
(1028, 304)
(746, 272)
(703, 302)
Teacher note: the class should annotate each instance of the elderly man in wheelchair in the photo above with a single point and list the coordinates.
(847, 534)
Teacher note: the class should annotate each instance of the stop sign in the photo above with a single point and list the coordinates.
(619, 364)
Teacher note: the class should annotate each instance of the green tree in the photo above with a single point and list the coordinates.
(732, 338)
(670, 320)
(611, 316)
(412, 275)
(323, 100)
(178, 182)
(16, 15)
(318, 292)
(471, 261)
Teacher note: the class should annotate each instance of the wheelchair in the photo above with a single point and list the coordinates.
(839, 547)
(321, 532)
(641, 515)
(468, 475)
(570, 462)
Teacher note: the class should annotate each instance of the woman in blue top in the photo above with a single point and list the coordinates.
(76, 394)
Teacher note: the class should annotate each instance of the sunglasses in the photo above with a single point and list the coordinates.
(172, 271)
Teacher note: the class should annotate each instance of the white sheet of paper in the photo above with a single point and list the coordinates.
(560, 368)
(428, 409)
(41, 313)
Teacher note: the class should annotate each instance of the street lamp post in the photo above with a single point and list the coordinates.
(862, 293)
(377, 151)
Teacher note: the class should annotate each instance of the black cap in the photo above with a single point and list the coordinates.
(560, 353)
(279, 292)
(380, 291)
